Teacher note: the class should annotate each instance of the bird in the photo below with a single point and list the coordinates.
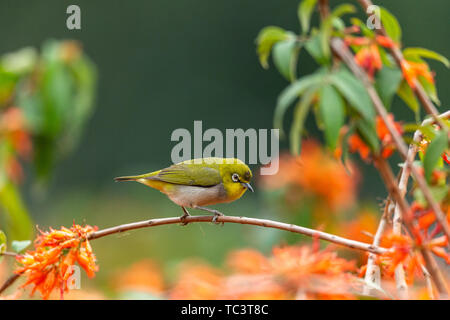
(198, 183)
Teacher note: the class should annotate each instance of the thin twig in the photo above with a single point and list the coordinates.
(243, 220)
(8, 254)
(372, 276)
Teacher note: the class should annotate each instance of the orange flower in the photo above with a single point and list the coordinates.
(248, 261)
(197, 281)
(385, 41)
(144, 276)
(49, 265)
(317, 174)
(400, 246)
(356, 144)
(253, 287)
(412, 70)
(369, 59)
(297, 263)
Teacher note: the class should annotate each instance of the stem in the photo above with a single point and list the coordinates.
(345, 55)
(430, 262)
(418, 89)
(372, 276)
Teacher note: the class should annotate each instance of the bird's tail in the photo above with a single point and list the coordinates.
(136, 178)
(127, 178)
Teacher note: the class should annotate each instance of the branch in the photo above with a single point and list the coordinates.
(345, 55)
(372, 276)
(340, 49)
(243, 220)
(418, 89)
(353, 244)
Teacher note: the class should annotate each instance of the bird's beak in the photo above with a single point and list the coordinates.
(248, 186)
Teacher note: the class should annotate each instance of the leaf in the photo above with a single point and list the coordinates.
(407, 95)
(327, 25)
(314, 47)
(284, 53)
(354, 92)
(304, 13)
(265, 40)
(300, 114)
(411, 53)
(332, 112)
(2, 242)
(430, 89)
(387, 83)
(19, 222)
(391, 25)
(433, 153)
(19, 246)
(291, 93)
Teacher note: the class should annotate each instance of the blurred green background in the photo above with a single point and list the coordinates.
(161, 65)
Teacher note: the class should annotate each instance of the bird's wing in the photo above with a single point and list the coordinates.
(189, 174)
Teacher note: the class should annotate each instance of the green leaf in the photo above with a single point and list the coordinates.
(304, 12)
(291, 93)
(284, 55)
(430, 89)
(433, 153)
(407, 95)
(327, 25)
(354, 92)
(368, 134)
(387, 83)
(19, 222)
(300, 114)
(267, 37)
(411, 53)
(391, 25)
(332, 112)
(314, 47)
(19, 246)
(2, 241)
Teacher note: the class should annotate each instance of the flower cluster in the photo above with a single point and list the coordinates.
(356, 144)
(291, 272)
(368, 54)
(314, 173)
(50, 265)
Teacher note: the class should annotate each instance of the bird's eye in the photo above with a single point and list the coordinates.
(235, 177)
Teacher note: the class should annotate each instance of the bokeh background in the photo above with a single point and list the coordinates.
(161, 65)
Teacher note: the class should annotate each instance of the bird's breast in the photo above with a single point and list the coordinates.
(191, 196)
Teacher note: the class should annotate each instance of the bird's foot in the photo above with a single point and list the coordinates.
(184, 216)
(215, 212)
(216, 215)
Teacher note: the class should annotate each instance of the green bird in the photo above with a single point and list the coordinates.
(198, 183)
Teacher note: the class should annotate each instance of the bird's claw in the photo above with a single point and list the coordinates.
(216, 215)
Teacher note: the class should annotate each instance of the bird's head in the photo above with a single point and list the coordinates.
(236, 176)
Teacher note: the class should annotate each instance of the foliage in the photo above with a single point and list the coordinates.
(45, 100)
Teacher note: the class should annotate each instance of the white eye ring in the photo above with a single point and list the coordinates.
(235, 177)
